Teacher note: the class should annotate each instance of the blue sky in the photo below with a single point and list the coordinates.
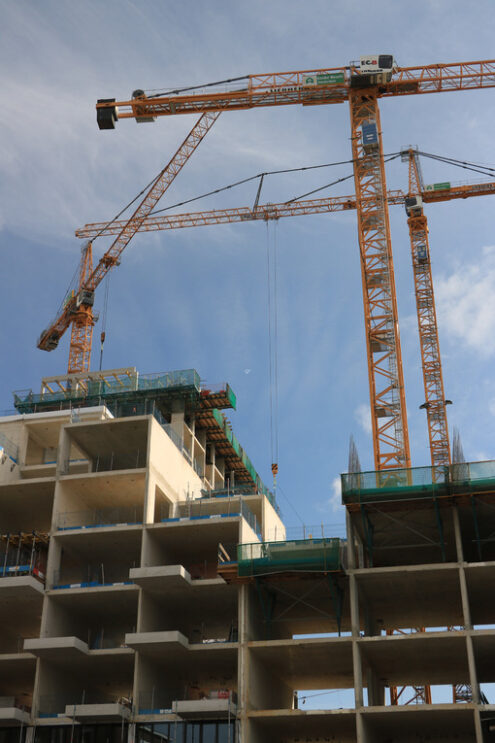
(198, 297)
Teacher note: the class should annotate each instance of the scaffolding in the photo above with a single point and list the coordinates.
(23, 553)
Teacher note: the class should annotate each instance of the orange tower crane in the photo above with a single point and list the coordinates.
(361, 84)
(77, 308)
(416, 195)
(435, 402)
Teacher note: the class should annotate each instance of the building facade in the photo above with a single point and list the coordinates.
(148, 591)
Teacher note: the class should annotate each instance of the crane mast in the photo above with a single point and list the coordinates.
(385, 375)
(83, 319)
(435, 402)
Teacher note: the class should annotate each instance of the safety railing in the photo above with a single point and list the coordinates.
(156, 700)
(52, 705)
(201, 509)
(101, 574)
(13, 701)
(110, 387)
(8, 448)
(23, 554)
(305, 531)
(418, 482)
(100, 517)
(105, 639)
(111, 461)
(289, 556)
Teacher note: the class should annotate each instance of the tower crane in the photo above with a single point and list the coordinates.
(413, 200)
(435, 402)
(77, 308)
(362, 84)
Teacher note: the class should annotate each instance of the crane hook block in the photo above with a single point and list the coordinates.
(106, 117)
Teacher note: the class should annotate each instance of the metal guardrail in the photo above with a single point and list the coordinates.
(8, 448)
(51, 705)
(200, 509)
(93, 575)
(291, 555)
(100, 517)
(419, 481)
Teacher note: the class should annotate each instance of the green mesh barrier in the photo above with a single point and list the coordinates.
(296, 555)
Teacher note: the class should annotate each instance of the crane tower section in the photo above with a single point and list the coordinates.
(387, 398)
(435, 402)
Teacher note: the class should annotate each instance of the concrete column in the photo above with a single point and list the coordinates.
(150, 484)
(466, 609)
(351, 558)
(177, 417)
(356, 650)
(473, 676)
(63, 452)
(243, 661)
(458, 534)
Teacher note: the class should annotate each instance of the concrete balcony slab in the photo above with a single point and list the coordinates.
(204, 709)
(20, 587)
(160, 577)
(57, 647)
(13, 716)
(110, 712)
(170, 578)
(158, 643)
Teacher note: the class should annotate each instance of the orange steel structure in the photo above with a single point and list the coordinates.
(267, 212)
(325, 86)
(336, 85)
(385, 374)
(78, 307)
(435, 402)
(425, 302)
(285, 88)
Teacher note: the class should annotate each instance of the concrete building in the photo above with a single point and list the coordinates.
(148, 591)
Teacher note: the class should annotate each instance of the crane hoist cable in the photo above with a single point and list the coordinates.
(271, 262)
(104, 319)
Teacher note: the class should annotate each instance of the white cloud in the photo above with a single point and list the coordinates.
(336, 497)
(363, 416)
(466, 303)
(491, 406)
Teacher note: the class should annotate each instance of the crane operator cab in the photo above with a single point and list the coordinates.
(372, 69)
(421, 253)
(414, 206)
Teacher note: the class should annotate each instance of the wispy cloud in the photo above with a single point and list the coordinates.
(336, 496)
(466, 303)
(362, 414)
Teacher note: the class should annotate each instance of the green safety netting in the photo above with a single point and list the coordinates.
(417, 482)
(291, 556)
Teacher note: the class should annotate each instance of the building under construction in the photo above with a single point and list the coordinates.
(149, 592)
